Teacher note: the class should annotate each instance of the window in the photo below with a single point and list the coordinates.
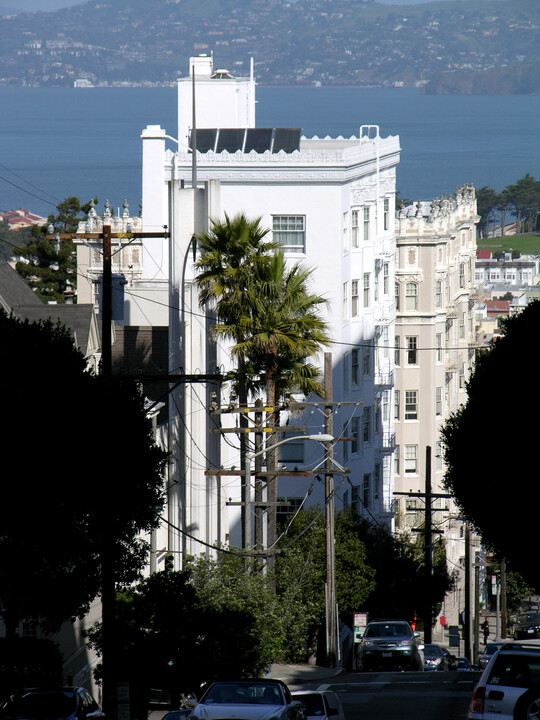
(355, 498)
(377, 480)
(397, 408)
(411, 404)
(386, 278)
(386, 407)
(438, 401)
(397, 358)
(367, 360)
(293, 451)
(411, 296)
(355, 425)
(396, 294)
(462, 326)
(411, 343)
(366, 425)
(366, 224)
(386, 214)
(355, 300)
(438, 339)
(462, 275)
(345, 232)
(355, 369)
(411, 458)
(345, 371)
(438, 293)
(396, 460)
(366, 289)
(355, 235)
(438, 455)
(287, 507)
(289, 231)
(366, 489)
(345, 301)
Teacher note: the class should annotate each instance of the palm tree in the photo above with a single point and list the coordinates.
(227, 253)
(268, 312)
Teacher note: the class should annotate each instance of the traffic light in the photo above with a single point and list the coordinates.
(169, 563)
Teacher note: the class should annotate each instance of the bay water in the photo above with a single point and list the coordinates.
(56, 142)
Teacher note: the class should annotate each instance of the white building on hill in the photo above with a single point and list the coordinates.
(331, 201)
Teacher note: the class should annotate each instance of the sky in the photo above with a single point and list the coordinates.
(57, 4)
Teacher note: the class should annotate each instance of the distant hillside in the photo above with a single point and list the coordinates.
(515, 80)
(327, 42)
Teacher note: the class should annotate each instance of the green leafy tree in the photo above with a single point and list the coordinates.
(300, 576)
(486, 202)
(494, 482)
(524, 201)
(80, 487)
(174, 634)
(10, 239)
(49, 265)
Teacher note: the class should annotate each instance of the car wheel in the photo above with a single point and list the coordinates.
(528, 705)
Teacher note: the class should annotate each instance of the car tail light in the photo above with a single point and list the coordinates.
(477, 702)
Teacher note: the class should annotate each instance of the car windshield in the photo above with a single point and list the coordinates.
(243, 692)
(388, 630)
(432, 651)
(529, 618)
(491, 648)
(313, 704)
(41, 704)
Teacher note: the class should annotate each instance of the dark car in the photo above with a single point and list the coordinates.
(435, 658)
(463, 664)
(527, 626)
(62, 703)
(389, 645)
(489, 651)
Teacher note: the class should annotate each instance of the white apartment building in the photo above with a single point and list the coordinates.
(434, 354)
(331, 202)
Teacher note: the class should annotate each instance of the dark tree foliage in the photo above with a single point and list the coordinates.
(81, 476)
(521, 201)
(49, 265)
(489, 445)
(400, 586)
(170, 639)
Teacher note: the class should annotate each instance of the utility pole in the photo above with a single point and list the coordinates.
(428, 553)
(330, 595)
(468, 606)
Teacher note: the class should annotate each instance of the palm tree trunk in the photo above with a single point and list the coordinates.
(271, 467)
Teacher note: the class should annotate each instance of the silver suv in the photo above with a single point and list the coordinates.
(509, 687)
(389, 645)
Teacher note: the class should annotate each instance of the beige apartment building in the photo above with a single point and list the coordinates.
(434, 354)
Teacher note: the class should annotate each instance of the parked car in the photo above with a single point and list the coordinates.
(509, 687)
(489, 651)
(389, 645)
(435, 658)
(249, 700)
(320, 704)
(177, 714)
(527, 626)
(62, 703)
(463, 664)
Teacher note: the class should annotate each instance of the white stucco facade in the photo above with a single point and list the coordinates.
(332, 201)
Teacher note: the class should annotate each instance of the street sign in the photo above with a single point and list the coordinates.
(359, 625)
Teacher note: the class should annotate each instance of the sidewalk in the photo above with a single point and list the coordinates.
(298, 674)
